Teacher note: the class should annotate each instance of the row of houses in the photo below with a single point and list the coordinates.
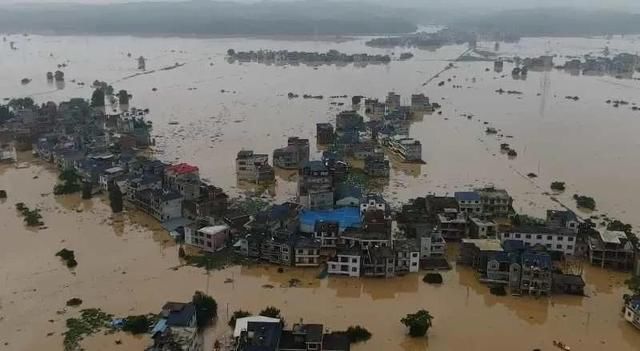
(269, 334)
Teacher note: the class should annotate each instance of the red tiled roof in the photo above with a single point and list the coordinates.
(183, 168)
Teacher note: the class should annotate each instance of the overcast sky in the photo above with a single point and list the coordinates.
(494, 4)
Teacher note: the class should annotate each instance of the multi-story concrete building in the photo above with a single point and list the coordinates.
(532, 274)
(374, 109)
(378, 262)
(452, 224)
(324, 133)
(210, 239)
(553, 239)
(632, 311)
(377, 166)
(327, 233)
(253, 167)
(420, 104)
(162, 205)
(611, 249)
(184, 179)
(481, 229)
(496, 203)
(562, 219)
(432, 244)
(306, 251)
(347, 261)
(407, 256)
(315, 186)
(294, 155)
(407, 148)
(393, 101)
(469, 202)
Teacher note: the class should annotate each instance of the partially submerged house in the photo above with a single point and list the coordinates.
(609, 248)
(253, 167)
(292, 156)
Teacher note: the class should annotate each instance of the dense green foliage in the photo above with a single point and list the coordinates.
(432, 278)
(206, 308)
(86, 190)
(136, 324)
(418, 323)
(585, 202)
(634, 284)
(271, 312)
(31, 217)
(68, 256)
(115, 198)
(558, 186)
(70, 183)
(123, 97)
(90, 322)
(357, 334)
(237, 315)
(97, 98)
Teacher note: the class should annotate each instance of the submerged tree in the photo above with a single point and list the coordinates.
(418, 323)
(115, 198)
(271, 312)
(97, 98)
(206, 308)
(123, 97)
(86, 190)
(237, 315)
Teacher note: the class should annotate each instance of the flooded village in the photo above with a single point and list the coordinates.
(303, 229)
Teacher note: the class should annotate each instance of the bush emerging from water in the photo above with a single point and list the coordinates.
(498, 290)
(206, 308)
(68, 256)
(558, 186)
(432, 278)
(74, 302)
(136, 324)
(237, 315)
(585, 202)
(418, 323)
(357, 334)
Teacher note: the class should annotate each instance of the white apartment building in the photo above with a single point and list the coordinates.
(554, 239)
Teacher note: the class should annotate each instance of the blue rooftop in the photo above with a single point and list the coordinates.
(181, 317)
(467, 196)
(347, 217)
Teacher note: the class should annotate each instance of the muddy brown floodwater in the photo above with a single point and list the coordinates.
(127, 265)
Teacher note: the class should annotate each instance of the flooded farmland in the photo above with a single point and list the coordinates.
(208, 109)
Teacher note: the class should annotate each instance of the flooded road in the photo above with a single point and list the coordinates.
(126, 266)
(126, 263)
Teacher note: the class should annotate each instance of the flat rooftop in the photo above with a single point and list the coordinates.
(612, 236)
(484, 244)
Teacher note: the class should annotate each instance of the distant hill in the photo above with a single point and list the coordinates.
(552, 22)
(205, 18)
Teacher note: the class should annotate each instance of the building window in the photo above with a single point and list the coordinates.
(528, 236)
(559, 246)
(517, 236)
(506, 235)
(354, 269)
(539, 237)
(569, 247)
(549, 237)
(570, 238)
(560, 238)
(354, 260)
(413, 264)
